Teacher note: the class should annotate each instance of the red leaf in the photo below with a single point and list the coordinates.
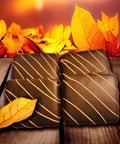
(32, 45)
(3, 51)
(111, 44)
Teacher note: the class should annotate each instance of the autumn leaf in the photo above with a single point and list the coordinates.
(14, 29)
(111, 44)
(34, 34)
(85, 32)
(13, 43)
(110, 27)
(3, 50)
(13, 40)
(3, 28)
(109, 24)
(16, 111)
(55, 40)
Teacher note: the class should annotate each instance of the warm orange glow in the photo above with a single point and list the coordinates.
(24, 6)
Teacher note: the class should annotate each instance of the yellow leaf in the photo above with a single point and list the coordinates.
(3, 28)
(85, 32)
(55, 40)
(67, 32)
(109, 24)
(53, 47)
(34, 34)
(16, 111)
(57, 32)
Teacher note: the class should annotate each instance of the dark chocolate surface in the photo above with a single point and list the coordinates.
(94, 61)
(90, 99)
(46, 91)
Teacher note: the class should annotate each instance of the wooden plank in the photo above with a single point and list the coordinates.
(29, 136)
(107, 134)
(4, 67)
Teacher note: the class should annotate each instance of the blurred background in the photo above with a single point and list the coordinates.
(32, 13)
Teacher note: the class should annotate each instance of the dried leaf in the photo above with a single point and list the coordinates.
(13, 43)
(110, 27)
(55, 40)
(109, 24)
(111, 44)
(16, 111)
(31, 45)
(56, 33)
(85, 31)
(3, 51)
(53, 47)
(14, 29)
(34, 34)
(3, 28)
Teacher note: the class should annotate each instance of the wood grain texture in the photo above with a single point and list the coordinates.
(4, 67)
(109, 134)
(29, 136)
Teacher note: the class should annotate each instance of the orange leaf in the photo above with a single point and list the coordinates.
(109, 24)
(34, 34)
(27, 49)
(13, 43)
(14, 29)
(111, 44)
(3, 51)
(56, 39)
(32, 45)
(3, 28)
(85, 31)
(16, 111)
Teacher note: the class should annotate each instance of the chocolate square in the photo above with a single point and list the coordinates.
(38, 65)
(46, 91)
(94, 61)
(90, 99)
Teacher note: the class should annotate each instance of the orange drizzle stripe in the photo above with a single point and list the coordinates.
(79, 110)
(107, 82)
(53, 61)
(85, 101)
(93, 95)
(18, 71)
(41, 66)
(70, 116)
(46, 117)
(97, 61)
(50, 66)
(49, 90)
(79, 63)
(31, 66)
(88, 62)
(42, 91)
(24, 69)
(68, 66)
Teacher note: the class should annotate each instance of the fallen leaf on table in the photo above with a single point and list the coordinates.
(3, 28)
(16, 111)
(85, 31)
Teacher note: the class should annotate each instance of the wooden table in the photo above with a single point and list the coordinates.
(107, 134)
